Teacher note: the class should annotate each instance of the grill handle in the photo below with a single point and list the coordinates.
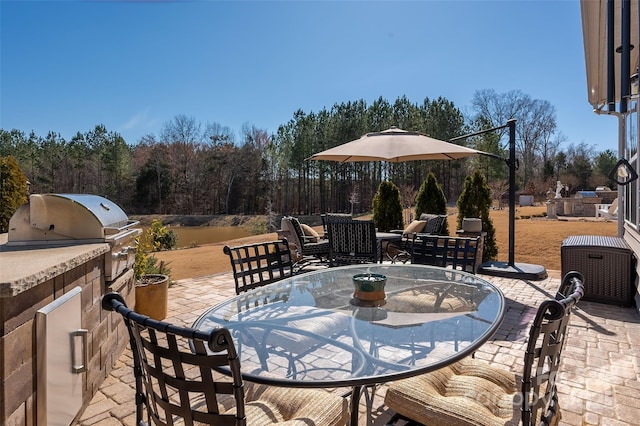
(116, 229)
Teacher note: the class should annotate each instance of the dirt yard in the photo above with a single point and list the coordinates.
(537, 241)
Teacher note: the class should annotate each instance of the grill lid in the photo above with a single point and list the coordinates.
(67, 216)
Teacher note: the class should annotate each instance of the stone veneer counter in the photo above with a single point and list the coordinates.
(22, 268)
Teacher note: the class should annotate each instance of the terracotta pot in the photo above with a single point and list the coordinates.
(152, 292)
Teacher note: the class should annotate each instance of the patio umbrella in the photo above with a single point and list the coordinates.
(395, 145)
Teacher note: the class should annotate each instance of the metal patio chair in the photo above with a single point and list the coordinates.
(178, 380)
(255, 265)
(472, 392)
(464, 253)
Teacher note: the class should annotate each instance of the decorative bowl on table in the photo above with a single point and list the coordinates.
(369, 287)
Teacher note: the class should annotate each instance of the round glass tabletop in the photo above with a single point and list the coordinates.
(311, 330)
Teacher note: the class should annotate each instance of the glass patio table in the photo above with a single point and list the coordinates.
(310, 331)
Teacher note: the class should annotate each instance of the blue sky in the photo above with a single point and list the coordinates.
(67, 66)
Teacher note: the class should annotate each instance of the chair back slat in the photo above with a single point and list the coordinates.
(547, 338)
(255, 265)
(352, 242)
(174, 371)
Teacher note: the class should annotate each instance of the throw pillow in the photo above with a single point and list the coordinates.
(415, 226)
(310, 232)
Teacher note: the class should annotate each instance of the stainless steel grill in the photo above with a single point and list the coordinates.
(65, 219)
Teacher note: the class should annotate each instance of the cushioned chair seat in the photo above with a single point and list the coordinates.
(468, 392)
(293, 407)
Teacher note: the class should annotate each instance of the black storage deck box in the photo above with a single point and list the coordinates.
(606, 264)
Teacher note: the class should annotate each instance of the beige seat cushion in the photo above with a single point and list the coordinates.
(297, 407)
(270, 405)
(468, 392)
(311, 233)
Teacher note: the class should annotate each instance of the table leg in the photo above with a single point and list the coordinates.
(356, 394)
(355, 404)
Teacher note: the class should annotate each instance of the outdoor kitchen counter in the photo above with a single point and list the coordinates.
(22, 268)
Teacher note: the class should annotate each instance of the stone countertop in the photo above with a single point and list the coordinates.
(22, 268)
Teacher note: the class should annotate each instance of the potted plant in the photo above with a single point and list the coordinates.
(152, 279)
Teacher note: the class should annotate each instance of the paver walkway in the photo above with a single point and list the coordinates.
(599, 383)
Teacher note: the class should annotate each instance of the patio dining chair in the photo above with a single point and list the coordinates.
(255, 265)
(176, 380)
(464, 253)
(471, 392)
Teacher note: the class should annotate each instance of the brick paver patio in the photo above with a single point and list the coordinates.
(599, 382)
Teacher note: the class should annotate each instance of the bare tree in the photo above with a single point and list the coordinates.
(535, 128)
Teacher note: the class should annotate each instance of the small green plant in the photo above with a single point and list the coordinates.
(161, 237)
(156, 238)
(387, 208)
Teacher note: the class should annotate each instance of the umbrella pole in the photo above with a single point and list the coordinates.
(510, 269)
(512, 191)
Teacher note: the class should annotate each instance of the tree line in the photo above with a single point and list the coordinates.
(202, 169)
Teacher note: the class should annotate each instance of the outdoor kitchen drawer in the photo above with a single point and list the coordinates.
(606, 264)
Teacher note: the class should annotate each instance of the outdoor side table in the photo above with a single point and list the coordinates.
(606, 264)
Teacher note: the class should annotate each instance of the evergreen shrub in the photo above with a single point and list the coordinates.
(387, 208)
(431, 199)
(475, 201)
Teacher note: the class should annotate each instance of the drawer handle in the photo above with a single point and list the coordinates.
(595, 256)
(75, 367)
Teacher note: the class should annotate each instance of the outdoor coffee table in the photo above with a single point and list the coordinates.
(309, 331)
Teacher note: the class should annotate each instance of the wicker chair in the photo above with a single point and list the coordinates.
(255, 265)
(306, 247)
(352, 242)
(176, 380)
(471, 392)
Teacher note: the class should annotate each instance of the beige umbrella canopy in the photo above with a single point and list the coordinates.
(395, 145)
